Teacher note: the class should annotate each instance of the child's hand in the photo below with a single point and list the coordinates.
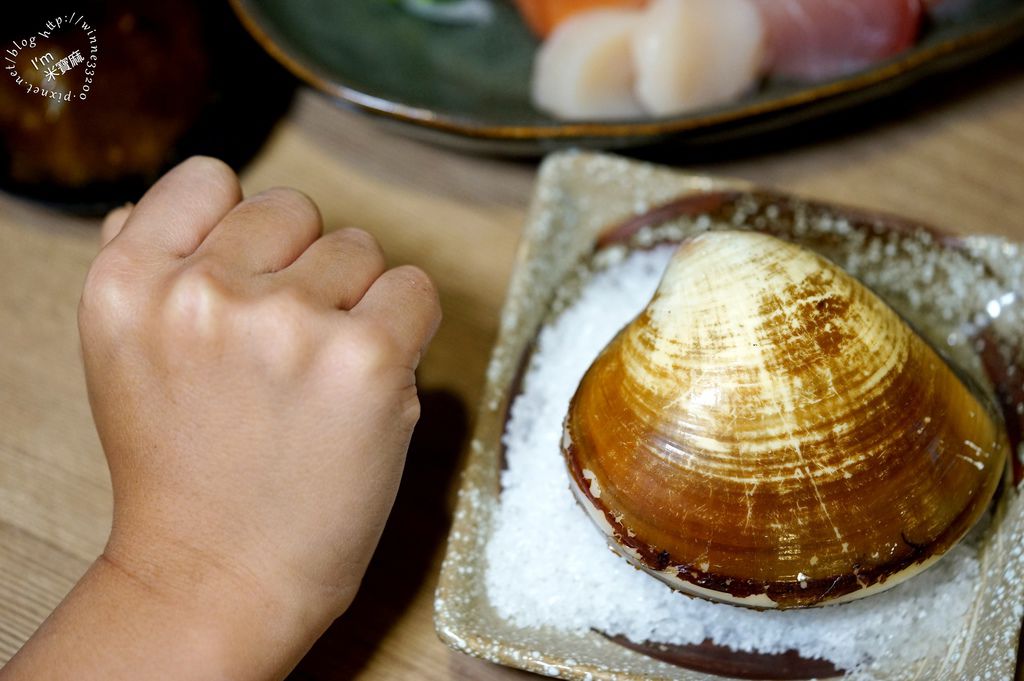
(253, 387)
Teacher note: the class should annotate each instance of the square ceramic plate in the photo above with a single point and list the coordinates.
(584, 202)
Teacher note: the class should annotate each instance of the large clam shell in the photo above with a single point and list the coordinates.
(768, 432)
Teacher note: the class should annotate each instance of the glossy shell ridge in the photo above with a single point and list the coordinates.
(767, 432)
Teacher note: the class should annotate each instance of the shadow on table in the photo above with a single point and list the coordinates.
(406, 555)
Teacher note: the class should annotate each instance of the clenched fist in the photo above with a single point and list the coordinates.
(253, 387)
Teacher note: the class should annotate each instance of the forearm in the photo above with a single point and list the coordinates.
(117, 625)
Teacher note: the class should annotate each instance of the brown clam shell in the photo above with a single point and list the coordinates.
(769, 433)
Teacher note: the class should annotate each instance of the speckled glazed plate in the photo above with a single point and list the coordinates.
(585, 202)
(469, 86)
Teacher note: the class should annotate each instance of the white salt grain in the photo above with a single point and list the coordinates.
(548, 566)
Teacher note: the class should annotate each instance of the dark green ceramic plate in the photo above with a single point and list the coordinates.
(470, 85)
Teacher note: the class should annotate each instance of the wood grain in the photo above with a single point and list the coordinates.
(952, 155)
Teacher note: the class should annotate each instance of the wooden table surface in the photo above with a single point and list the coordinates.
(951, 154)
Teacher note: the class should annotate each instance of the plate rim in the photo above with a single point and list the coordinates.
(913, 64)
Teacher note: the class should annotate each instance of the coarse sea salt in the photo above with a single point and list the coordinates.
(547, 566)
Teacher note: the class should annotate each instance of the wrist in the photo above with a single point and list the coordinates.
(240, 624)
(133, 617)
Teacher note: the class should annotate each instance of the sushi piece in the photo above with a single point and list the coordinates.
(666, 57)
(691, 54)
(585, 69)
(543, 16)
(815, 40)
